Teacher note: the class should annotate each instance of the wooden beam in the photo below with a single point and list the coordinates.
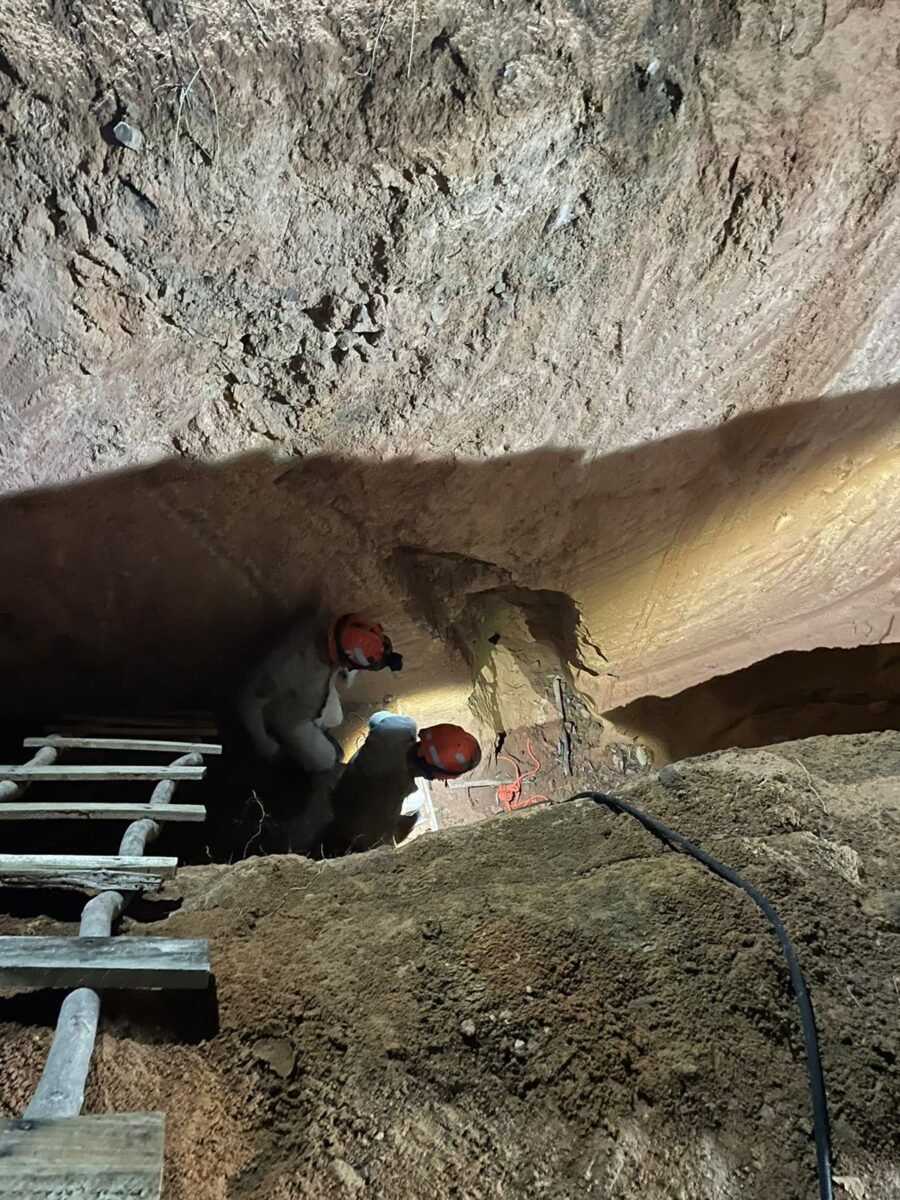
(149, 745)
(96, 774)
(103, 962)
(458, 784)
(116, 1157)
(50, 810)
(119, 872)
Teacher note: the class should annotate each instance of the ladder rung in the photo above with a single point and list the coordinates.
(113, 1156)
(114, 743)
(118, 872)
(103, 962)
(97, 774)
(49, 810)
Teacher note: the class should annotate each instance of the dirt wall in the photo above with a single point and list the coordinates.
(642, 235)
(420, 228)
(688, 557)
(779, 699)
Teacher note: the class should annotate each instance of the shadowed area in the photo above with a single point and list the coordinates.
(684, 559)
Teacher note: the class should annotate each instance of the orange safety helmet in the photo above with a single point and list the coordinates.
(355, 641)
(448, 751)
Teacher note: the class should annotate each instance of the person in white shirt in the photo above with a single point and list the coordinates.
(291, 698)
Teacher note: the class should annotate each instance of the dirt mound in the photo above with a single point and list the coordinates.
(547, 1005)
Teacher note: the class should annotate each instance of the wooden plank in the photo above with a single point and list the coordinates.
(119, 872)
(115, 1157)
(457, 784)
(151, 746)
(96, 774)
(51, 810)
(103, 962)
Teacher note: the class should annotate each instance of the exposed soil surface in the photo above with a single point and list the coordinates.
(436, 231)
(545, 1005)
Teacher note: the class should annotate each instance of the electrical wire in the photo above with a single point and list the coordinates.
(510, 794)
(821, 1128)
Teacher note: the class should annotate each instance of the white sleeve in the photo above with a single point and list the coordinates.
(332, 714)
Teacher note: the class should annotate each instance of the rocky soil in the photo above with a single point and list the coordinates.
(545, 1005)
(396, 228)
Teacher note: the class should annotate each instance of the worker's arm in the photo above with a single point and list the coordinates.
(309, 746)
(250, 708)
(332, 713)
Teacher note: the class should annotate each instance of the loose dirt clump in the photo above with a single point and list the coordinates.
(545, 1005)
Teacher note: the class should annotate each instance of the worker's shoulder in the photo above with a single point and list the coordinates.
(389, 740)
(388, 724)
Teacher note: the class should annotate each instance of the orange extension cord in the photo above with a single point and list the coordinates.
(510, 794)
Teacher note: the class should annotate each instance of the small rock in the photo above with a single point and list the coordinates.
(128, 135)
(467, 1028)
(519, 1048)
(528, 989)
(277, 1053)
(563, 216)
(378, 310)
(379, 1136)
(345, 1174)
(669, 777)
(361, 322)
(346, 341)
(642, 756)
(431, 930)
(369, 352)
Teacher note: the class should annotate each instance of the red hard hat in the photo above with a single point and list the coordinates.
(448, 750)
(360, 643)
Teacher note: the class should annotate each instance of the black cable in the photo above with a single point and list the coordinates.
(821, 1129)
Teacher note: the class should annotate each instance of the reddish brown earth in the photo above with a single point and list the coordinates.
(547, 1005)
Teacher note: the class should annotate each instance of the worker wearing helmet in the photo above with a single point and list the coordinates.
(367, 800)
(292, 698)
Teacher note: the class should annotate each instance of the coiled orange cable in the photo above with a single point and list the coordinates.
(510, 794)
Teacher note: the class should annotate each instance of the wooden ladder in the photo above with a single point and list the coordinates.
(53, 1150)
